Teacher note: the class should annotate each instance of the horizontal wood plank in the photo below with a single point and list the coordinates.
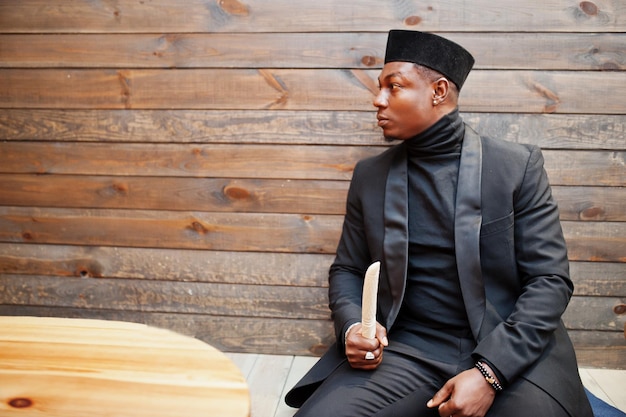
(599, 349)
(298, 89)
(183, 230)
(269, 301)
(583, 313)
(591, 203)
(586, 168)
(594, 313)
(550, 51)
(127, 16)
(592, 168)
(287, 233)
(249, 268)
(307, 270)
(245, 195)
(180, 193)
(235, 161)
(561, 131)
(598, 278)
(596, 241)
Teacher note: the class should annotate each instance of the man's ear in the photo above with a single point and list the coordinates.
(441, 90)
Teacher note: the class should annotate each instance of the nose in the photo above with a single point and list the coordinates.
(381, 99)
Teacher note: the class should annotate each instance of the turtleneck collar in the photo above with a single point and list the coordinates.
(444, 137)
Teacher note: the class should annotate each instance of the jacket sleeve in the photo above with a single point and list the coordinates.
(347, 271)
(542, 269)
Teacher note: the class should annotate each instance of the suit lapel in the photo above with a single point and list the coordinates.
(467, 223)
(396, 238)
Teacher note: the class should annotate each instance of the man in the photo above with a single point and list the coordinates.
(474, 270)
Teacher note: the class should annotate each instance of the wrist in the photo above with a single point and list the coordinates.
(489, 376)
(345, 335)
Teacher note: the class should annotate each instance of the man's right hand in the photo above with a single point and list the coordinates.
(357, 347)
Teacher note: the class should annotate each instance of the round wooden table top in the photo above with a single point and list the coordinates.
(78, 368)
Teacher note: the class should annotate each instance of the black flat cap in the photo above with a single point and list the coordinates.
(432, 51)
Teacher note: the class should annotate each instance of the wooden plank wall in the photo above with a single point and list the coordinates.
(185, 164)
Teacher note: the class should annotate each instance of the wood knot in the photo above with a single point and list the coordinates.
(369, 61)
(199, 228)
(619, 309)
(588, 8)
(234, 7)
(20, 402)
(596, 213)
(412, 20)
(120, 188)
(27, 236)
(236, 193)
(88, 271)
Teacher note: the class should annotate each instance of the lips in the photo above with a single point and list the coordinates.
(382, 121)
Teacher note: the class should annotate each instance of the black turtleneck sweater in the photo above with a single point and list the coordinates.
(433, 303)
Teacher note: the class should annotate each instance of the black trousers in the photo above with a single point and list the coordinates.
(401, 386)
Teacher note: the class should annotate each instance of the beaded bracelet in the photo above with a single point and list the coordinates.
(488, 377)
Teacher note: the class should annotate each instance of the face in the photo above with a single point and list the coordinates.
(404, 101)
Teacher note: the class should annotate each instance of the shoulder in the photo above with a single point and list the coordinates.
(370, 174)
(507, 156)
(380, 162)
(494, 146)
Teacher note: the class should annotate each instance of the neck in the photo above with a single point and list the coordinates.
(444, 136)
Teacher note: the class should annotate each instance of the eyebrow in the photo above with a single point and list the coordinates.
(393, 74)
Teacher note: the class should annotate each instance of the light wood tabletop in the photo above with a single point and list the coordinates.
(77, 367)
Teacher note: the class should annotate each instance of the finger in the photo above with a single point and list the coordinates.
(444, 410)
(440, 396)
(381, 335)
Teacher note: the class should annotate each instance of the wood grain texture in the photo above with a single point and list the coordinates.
(286, 233)
(245, 195)
(189, 265)
(185, 230)
(127, 16)
(297, 89)
(221, 161)
(606, 168)
(550, 51)
(187, 167)
(561, 131)
(247, 268)
(61, 367)
(289, 302)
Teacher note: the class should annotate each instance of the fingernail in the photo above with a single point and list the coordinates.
(429, 403)
(385, 341)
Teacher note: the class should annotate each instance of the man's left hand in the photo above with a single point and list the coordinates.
(465, 395)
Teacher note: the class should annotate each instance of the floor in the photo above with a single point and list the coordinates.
(270, 376)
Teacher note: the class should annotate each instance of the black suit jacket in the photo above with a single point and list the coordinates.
(511, 257)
